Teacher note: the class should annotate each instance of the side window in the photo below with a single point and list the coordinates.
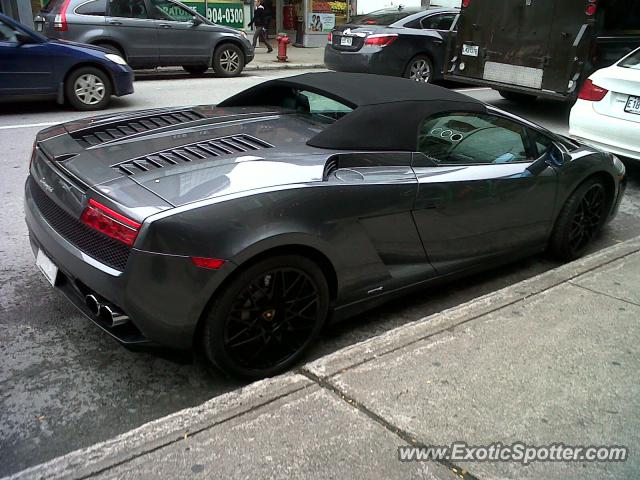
(438, 22)
(96, 7)
(542, 143)
(170, 11)
(7, 34)
(472, 138)
(128, 8)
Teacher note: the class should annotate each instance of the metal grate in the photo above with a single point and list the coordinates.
(192, 153)
(89, 137)
(102, 248)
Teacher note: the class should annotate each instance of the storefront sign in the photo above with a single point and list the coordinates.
(321, 22)
(230, 14)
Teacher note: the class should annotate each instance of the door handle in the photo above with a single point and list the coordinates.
(114, 22)
(164, 25)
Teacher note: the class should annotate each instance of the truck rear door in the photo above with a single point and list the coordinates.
(526, 44)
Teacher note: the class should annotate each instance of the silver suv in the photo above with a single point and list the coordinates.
(149, 33)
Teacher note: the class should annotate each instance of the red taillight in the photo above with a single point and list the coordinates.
(591, 92)
(591, 9)
(380, 40)
(110, 223)
(330, 37)
(203, 262)
(60, 20)
(466, 3)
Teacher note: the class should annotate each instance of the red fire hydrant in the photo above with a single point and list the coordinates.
(283, 40)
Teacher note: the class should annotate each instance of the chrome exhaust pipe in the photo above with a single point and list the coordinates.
(92, 303)
(112, 316)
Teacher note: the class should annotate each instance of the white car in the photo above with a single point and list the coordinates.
(607, 113)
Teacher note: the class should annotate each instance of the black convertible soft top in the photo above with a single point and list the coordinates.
(387, 110)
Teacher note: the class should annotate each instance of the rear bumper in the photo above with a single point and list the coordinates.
(163, 295)
(377, 62)
(506, 87)
(607, 133)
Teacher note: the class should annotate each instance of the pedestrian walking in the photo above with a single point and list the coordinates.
(259, 20)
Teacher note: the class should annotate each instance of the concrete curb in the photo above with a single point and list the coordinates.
(173, 73)
(164, 431)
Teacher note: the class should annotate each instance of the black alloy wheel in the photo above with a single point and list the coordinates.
(267, 317)
(588, 218)
(580, 220)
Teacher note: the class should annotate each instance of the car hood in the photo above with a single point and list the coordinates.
(80, 46)
(188, 154)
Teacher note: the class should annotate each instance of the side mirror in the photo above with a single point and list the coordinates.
(195, 21)
(553, 158)
(23, 38)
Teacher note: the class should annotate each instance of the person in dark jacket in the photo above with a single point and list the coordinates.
(259, 20)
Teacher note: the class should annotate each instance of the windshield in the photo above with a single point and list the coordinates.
(632, 61)
(385, 17)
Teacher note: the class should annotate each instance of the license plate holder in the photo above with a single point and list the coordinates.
(346, 41)
(470, 50)
(633, 105)
(47, 267)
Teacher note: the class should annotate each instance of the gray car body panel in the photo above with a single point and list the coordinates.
(147, 42)
(380, 223)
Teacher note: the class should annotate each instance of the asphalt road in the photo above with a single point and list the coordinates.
(64, 384)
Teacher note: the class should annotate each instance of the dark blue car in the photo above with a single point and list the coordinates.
(82, 75)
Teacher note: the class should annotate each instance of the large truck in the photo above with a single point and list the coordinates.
(539, 48)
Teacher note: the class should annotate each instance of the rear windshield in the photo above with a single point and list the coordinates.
(384, 17)
(318, 107)
(632, 61)
(52, 5)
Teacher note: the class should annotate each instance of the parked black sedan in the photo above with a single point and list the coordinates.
(241, 228)
(403, 42)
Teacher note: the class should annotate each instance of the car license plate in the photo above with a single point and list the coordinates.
(39, 26)
(469, 50)
(346, 41)
(47, 267)
(633, 105)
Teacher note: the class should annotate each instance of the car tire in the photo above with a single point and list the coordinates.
(580, 220)
(264, 320)
(195, 69)
(228, 60)
(419, 69)
(88, 88)
(517, 96)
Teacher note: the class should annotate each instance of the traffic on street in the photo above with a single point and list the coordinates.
(209, 229)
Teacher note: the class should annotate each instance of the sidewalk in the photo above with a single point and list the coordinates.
(298, 58)
(553, 359)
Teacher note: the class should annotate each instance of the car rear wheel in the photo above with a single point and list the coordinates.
(420, 69)
(195, 69)
(517, 96)
(88, 88)
(264, 320)
(228, 60)
(580, 221)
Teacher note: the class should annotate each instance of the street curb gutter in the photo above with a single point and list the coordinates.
(85, 462)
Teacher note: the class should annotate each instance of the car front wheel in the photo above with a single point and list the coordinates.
(88, 88)
(580, 220)
(228, 60)
(264, 320)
